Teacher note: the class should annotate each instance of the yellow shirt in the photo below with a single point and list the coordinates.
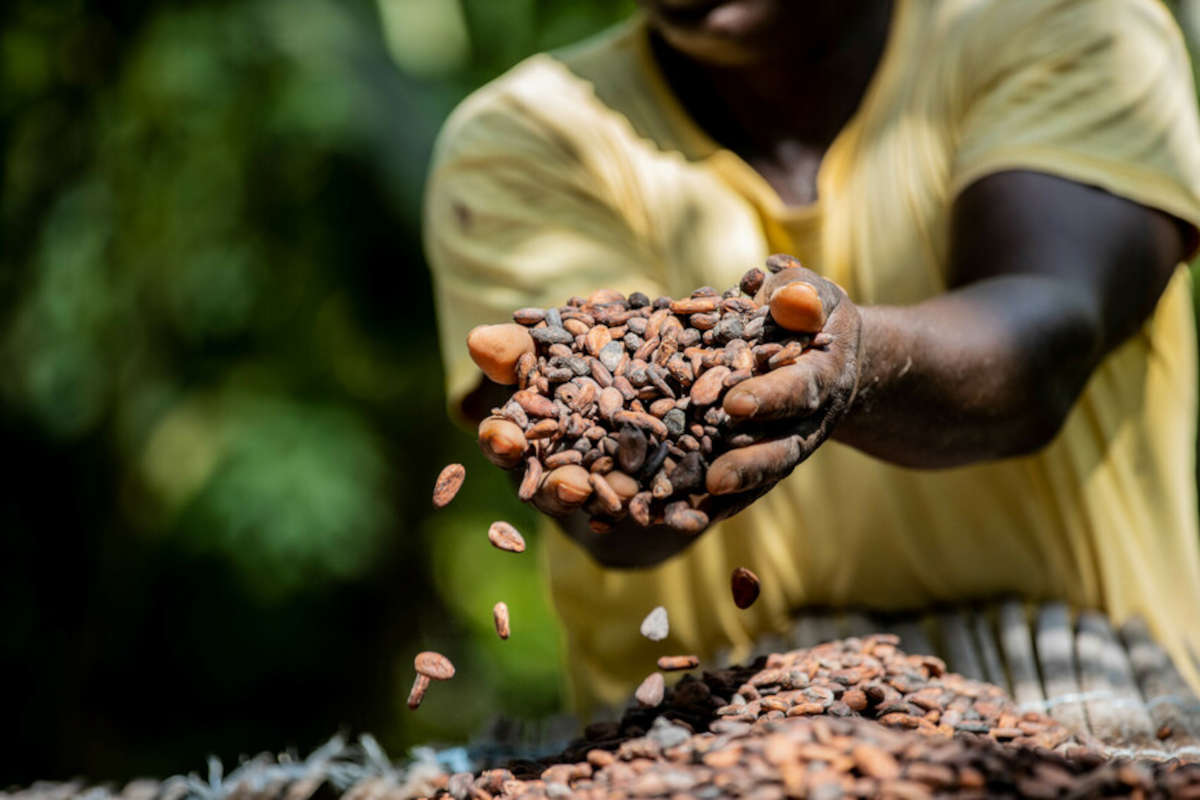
(581, 170)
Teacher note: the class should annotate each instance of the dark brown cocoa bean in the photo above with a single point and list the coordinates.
(744, 585)
(752, 281)
(631, 448)
(654, 460)
(449, 481)
(688, 473)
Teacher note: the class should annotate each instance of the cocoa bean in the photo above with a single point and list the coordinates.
(650, 693)
(641, 420)
(502, 442)
(631, 448)
(752, 281)
(531, 481)
(673, 663)
(433, 665)
(529, 316)
(563, 458)
(535, 405)
(682, 517)
(639, 508)
(660, 486)
(572, 485)
(744, 585)
(605, 492)
(417, 694)
(449, 481)
(542, 429)
(688, 473)
(505, 537)
(707, 387)
(500, 619)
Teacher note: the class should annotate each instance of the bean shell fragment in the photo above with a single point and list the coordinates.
(656, 625)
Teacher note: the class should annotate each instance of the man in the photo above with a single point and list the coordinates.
(996, 194)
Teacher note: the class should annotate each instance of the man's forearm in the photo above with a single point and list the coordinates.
(983, 372)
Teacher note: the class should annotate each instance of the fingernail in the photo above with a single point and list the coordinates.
(741, 404)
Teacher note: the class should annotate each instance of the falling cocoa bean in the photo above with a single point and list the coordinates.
(505, 537)
(449, 481)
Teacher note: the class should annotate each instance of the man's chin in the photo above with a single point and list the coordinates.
(722, 32)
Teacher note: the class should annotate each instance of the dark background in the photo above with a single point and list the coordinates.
(221, 401)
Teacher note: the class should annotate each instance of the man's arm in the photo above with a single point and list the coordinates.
(1050, 277)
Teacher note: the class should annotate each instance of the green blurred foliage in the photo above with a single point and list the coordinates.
(222, 400)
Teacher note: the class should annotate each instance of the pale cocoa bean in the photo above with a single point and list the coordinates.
(695, 305)
(790, 353)
(650, 693)
(542, 429)
(603, 464)
(661, 406)
(532, 480)
(562, 459)
(449, 481)
(736, 377)
(600, 373)
(433, 665)
(798, 307)
(529, 316)
(534, 404)
(605, 492)
(641, 420)
(745, 587)
(571, 484)
(417, 694)
(502, 442)
(660, 486)
(673, 663)
(575, 326)
(597, 338)
(707, 387)
(500, 619)
(625, 486)
(505, 537)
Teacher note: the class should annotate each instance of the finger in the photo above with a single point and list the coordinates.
(563, 490)
(757, 465)
(496, 348)
(502, 442)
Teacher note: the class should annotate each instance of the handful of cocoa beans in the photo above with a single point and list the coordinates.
(620, 397)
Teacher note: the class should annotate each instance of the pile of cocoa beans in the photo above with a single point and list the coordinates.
(850, 718)
(622, 396)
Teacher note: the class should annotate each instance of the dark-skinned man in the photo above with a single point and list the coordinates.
(995, 197)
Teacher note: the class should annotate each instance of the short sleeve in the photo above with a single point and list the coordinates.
(1096, 91)
(527, 204)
